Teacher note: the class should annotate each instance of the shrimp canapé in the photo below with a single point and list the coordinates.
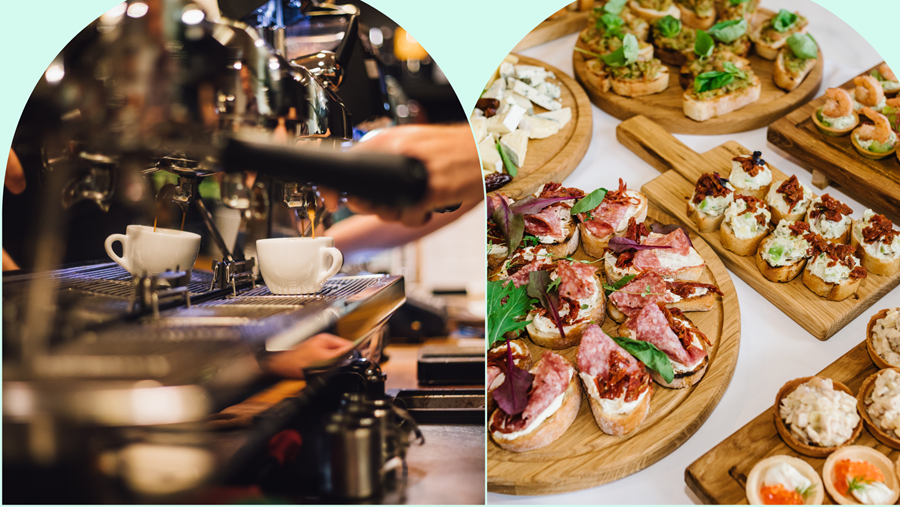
(886, 72)
(880, 131)
(868, 92)
(839, 103)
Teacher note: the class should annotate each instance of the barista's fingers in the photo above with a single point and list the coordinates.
(316, 349)
(331, 343)
(8, 263)
(331, 198)
(415, 217)
(15, 176)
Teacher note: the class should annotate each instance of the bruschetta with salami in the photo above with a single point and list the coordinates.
(670, 255)
(610, 218)
(581, 301)
(498, 361)
(554, 226)
(650, 288)
(618, 386)
(677, 337)
(553, 402)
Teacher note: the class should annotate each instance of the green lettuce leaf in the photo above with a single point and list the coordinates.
(589, 202)
(506, 307)
(648, 354)
(803, 46)
(729, 31)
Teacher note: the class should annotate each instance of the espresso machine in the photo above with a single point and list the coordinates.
(110, 379)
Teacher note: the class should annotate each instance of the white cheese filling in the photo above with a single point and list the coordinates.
(776, 200)
(685, 368)
(613, 406)
(874, 493)
(786, 475)
(878, 249)
(867, 145)
(746, 226)
(830, 274)
(741, 179)
(826, 228)
(697, 292)
(713, 206)
(550, 410)
(631, 211)
(841, 122)
(886, 337)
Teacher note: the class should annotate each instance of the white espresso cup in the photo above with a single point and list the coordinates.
(150, 252)
(297, 265)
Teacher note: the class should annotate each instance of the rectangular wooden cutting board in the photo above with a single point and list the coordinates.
(673, 188)
(876, 182)
(720, 475)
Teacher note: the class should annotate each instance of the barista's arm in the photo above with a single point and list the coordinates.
(15, 182)
(370, 232)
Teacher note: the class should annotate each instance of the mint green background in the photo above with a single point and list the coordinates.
(468, 38)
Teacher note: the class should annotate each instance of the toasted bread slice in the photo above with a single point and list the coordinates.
(551, 428)
(691, 19)
(682, 379)
(595, 246)
(884, 267)
(759, 193)
(779, 274)
(596, 77)
(670, 56)
(778, 216)
(551, 339)
(639, 88)
(568, 246)
(744, 247)
(686, 274)
(830, 291)
(617, 424)
(653, 15)
(703, 303)
(770, 51)
(706, 223)
(785, 80)
(702, 110)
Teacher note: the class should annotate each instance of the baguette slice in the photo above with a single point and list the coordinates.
(830, 291)
(617, 424)
(743, 247)
(686, 274)
(635, 88)
(551, 428)
(551, 339)
(595, 246)
(779, 274)
(778, 216)
(653, 15)
(706, 223)
(884, 267)
(783, 79)
(770, 51)
(703, 303)
(670, 56)
(691, 19)
(682, 379)
(702, 110)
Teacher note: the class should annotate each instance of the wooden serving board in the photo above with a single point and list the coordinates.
(666, 108)
(585, 456)
(682, 168)
(554, 158)
(834, 158)
(552, 29)
(720, 475)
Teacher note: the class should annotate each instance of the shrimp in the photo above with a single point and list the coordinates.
(868, 91)
(880, 132)
(886, 72)
(839, 103)
(894, 102)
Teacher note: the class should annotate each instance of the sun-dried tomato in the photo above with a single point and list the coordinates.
(710, 185)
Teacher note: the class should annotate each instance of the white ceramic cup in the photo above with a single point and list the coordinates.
(297, 265)
(146, 251)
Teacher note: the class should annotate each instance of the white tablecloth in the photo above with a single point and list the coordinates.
(774, 349)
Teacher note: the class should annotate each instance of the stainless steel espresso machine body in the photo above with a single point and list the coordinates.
(108, 378)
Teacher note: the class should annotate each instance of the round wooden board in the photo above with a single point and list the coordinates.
(554, 158)
(584, 456)
(666, 108)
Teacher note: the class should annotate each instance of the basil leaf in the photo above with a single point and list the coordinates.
(729, 31)
(589, 201)
(712, 81)
(648, 354)
(615, 6)
(507, 162)
(803, 46)
(734, 70)
(610, 25)
(505, 306)
(618, 285)
(625, 55)
(704, 44)
(784, 20)
(512, 395)
(669, 27)
(738, 2)
(511, 225)
(539, 288)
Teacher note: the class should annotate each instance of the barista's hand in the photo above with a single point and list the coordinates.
(451, 158)
(320, 347)
(15, 182)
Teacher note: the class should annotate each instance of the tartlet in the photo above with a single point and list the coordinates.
(793, 442)
(757, 473)
(860, 453)
(867, 386)
(879, 361)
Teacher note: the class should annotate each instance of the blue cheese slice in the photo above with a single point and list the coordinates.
(533, 95)
(561, 116)
(495, 91)
(511, 97)
(507, 70)
(479, 128)
(516, 145)
(507, 121)
(490, 157)
(532, 74)
(549, 89)
(538, 128)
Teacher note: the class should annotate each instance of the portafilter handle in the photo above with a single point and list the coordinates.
(381, 178)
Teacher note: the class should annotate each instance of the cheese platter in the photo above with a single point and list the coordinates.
(514, 131)
(681, 168)
(584, 455)
(834, 158)
(722, 475)
(673, 104)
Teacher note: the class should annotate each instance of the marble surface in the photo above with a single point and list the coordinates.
(774, 349)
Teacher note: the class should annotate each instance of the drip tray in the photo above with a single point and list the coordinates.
(442, 406)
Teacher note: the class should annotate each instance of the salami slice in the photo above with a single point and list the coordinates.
(545, 223)
(650, 325)
(551, 378)
(576, 279)
(647, 289)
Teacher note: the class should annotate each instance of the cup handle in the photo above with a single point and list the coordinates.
(121, 238)
(337, 260)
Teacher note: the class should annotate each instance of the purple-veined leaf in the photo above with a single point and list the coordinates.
(532, 205)
(512, 395)
(667, 229)
(619, 244)
(722, 181)
(511, 225)
(538, 284)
